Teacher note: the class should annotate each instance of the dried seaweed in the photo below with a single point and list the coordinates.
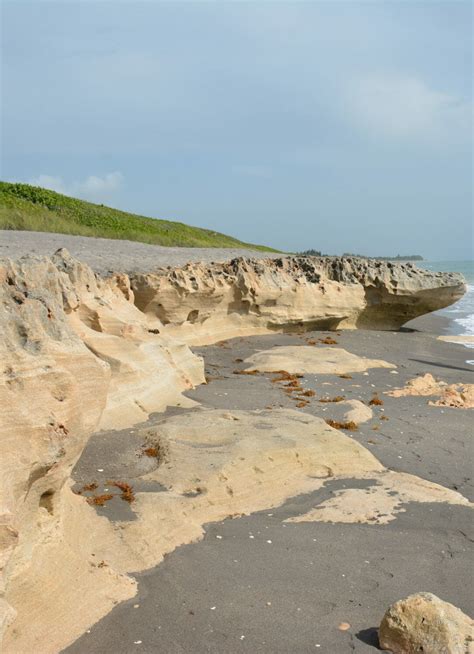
(99, 500)
(152, 452)
(376, 401)
(349, 426)
(90, 487)
(301, 404)
(127, 491)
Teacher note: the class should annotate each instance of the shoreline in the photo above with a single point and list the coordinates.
(259, 571)
(130, 353)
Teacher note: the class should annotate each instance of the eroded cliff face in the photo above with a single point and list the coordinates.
(205, 303)
(76, 355)
(81, 353)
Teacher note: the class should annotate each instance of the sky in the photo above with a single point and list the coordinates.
(333, 125)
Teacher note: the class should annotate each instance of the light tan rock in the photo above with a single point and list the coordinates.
(380, 502)
(80, 353)
(68, 341)
(204, 303)
(459, 396)
(424, 385)
(312, 360)
(424, 623)
(356, 411)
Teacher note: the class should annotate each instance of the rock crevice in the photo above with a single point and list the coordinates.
(204, 302)
(81, 353)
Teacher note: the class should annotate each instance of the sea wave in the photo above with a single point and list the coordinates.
(467, 323)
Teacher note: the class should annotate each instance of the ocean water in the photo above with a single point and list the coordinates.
(461, 314)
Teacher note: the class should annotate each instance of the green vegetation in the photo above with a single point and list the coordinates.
(37, 209)
(399, 257)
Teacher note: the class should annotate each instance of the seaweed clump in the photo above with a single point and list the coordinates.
(99, 500)
(349, 426)
(127, 493)
(152, 452)
(376, 401)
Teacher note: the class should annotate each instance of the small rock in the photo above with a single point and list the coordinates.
(424, 623)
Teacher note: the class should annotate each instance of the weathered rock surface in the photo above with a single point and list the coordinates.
(80, 353)
(457, 396)
(380, 502)
(76, 353)
(312, 360)
(248, 296)
(424, 623)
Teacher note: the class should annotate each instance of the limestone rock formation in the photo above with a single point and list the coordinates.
(208, 302)
(80, 353)
(424, 623)
(76, 353)
(317, 361)
(457, 396)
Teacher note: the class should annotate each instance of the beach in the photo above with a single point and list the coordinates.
(259, 584)
(106, 255)
(458, 318)
(273, 491)
(237, 328)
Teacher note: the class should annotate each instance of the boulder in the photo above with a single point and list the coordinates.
(424, 623)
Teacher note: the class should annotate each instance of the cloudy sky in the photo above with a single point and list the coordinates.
(342, 126)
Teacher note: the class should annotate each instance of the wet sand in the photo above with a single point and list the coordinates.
(259, 584)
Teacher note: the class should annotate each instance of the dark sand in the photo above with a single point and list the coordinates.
(291, 595)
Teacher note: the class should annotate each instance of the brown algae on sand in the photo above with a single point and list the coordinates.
(336, 424)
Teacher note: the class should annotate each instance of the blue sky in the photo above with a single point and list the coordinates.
(342, 126)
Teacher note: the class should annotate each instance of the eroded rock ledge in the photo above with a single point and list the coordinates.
(76, 355)
(79, 353)
(203, 303)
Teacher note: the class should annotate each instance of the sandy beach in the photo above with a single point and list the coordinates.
(237, 328)
(275, 491)
(260, 584)
(105, 255)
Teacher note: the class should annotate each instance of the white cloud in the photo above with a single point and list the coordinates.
(91, 188)
(405, 107)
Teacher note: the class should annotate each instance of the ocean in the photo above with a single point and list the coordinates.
(461, 314)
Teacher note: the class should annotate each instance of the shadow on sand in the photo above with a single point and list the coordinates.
(436, 364)
(369, 637)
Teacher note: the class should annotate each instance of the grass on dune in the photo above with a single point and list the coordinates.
(25, 207)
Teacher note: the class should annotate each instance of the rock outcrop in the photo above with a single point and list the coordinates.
(81, 353)
(311, 360)
(76, 354)
(424, 623)
(457, 396)
(204, 303)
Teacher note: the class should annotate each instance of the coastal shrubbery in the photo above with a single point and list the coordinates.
(32, 208)
(398, 257)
